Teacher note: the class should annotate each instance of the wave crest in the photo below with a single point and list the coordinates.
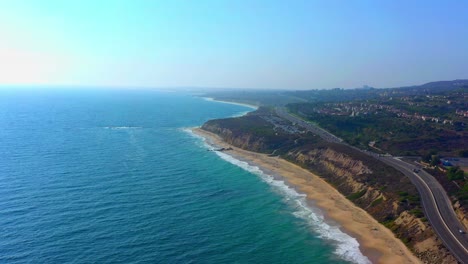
(347, 247)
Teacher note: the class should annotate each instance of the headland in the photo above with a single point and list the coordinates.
(376, 242)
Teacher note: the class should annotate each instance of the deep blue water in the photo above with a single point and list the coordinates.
(113, 176)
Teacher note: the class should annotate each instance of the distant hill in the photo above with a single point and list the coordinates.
(446, 84)
(284, 97)
(439, 86)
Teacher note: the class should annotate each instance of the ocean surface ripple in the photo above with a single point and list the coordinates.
(107, 176)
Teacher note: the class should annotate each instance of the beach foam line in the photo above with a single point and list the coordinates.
(233, 103)
(189, 130)
(228, 102)
(347, 247)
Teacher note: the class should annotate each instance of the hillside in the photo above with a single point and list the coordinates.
(372, 185)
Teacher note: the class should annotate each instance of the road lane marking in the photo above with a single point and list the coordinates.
(436, 205)
(438, 212)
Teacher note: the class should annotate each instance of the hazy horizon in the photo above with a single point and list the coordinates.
(190, 89)
(232, 44)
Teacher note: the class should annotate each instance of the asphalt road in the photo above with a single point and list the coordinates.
(437, 208)
(281, 112)
(435, 201)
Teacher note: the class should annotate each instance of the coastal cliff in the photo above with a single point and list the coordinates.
(379, 189)
(461, 213)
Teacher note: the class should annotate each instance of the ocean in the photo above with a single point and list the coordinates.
(116, 176)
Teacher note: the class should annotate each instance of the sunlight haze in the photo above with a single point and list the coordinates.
(244, 44)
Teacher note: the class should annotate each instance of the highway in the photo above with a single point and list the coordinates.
(437, 208)
(435, 201)
(283, 113)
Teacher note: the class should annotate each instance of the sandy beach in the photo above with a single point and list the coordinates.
(376, 242)
(231, 102)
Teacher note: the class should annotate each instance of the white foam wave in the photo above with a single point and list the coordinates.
(121, 127)
(347, 247)
(240, 114)
(202, 140)
(227, 102)
(189, 131)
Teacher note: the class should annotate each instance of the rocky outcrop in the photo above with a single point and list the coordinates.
(361, 184)
(427, 247)
(244, 141)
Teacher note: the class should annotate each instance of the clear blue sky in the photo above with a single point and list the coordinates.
(257, 44)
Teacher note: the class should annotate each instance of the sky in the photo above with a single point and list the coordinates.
(288, 44)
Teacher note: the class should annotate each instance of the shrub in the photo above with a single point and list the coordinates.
(377, 201)
(455, 173)
(357, 195)
(417, 212)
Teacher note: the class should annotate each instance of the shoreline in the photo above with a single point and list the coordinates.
(211, 99)
(376, 242)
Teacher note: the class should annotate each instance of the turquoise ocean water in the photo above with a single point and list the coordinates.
(115, 176)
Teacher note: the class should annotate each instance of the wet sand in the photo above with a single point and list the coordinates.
(376, 242)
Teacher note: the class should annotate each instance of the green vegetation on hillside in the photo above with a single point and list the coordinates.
(406, 125)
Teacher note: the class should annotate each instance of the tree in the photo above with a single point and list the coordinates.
(455, 173)
(426, 157)
(435, 160)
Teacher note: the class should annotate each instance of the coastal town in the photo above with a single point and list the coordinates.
(456, 110)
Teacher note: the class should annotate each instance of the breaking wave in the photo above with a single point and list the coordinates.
(346, 247)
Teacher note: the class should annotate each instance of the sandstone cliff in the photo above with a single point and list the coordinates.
(379, 189)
